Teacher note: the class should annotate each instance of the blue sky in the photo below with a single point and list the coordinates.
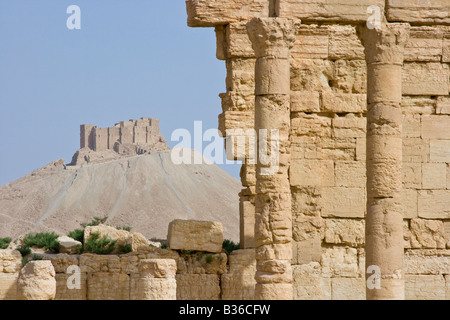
(131, 59)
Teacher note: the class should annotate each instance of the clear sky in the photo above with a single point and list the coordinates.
(130, 59)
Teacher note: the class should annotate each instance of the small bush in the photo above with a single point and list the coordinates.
(209, 258)
(24, 250)
(25, 261)
(95, 222)
(230, 246)
(126, 228)
(37, 257)
(77, 234)
(48, 241)
(4, 243)
(164, 246)
(98, 245)
(125, 248)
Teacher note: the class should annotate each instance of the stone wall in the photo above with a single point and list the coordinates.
(328, 135)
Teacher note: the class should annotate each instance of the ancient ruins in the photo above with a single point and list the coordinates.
(359, 206)
(359, 91)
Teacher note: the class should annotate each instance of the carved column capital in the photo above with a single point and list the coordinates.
(386, 44)
(272, 36)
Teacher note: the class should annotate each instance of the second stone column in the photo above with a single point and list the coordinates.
(272, 39)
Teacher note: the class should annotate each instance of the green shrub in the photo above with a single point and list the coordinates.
(46, 240)
(95, 222)
(37, 257)
(4, 243)
(103, 245)
(126, 228)
(77, 234)
(164, 246)
(230, 246)
(125, 248)
(209, 258)
(24, 250)
(24, 261)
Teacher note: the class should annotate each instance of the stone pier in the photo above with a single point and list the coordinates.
(272, 40)
(384, 50)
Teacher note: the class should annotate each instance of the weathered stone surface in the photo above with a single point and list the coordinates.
(434, 175)
(8, 286)
(348, 289)
(195, 235)
(427, 262)
(437, 76)
(10, 261)
(419, 105)
(351, 174)
(121, 236)
(68, 245)
(334, 10)
(312, 74)
(108, 286)
(415, 150)
(411, 125)
(423, 287)
(207, 13)
(443, 104)
(311, 125)
(349, 76)
(61, 262)
(305, 101)
(139, 240)
(341, 202)
(440, 151)
(417, 11)
(434, 204)
(412, 175)
(311, 42)
(63, 292)
(312, 173)
(307, 250)
(37, 281)
(427, 234)
(409, 201)
(237, 41)
(239, 282)
(309, 283)
(349, 126)
(198, 287)
(436, 127)
(425, 44)
(345, 231)
(339, 262)
(201, 263)
(344, 43)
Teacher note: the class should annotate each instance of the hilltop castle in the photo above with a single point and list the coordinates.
(142, 132)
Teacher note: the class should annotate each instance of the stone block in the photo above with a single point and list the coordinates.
(306, 201)
(195, 235)
(338, 148)
(240, 75)
(416, 150)
(418, 105)
(344, 102)
(108, 286)
(434, 204)
(409, 201)
(361, 149)
(247, 224)
(305, 101)
(427, 262)
(443, 104)
(436, 127)
(421, 287)
(101, 139)
(425, 44)
(8, 286)
(427, 234)
(306, 251)
(309, 284)
(339, 262)
(349, 126)
(61, 262)
(37, 281)
(311, 125)
(161, 289)
(332, 10)
(411, 125)
(350, 76)
(71, 292)
(239, 283)
(198, 287)
(412, 175)
(10, 261)
(437, 76)
(238, 43)
(446, 47)
(350, 232)
(311, 42)
(348, 289)
(418, 11)
(344, 43)
(434, 175)
(207, 13)
(311, 74)
(342, 202)
(440, 151)
(312, 173)
(350, 174)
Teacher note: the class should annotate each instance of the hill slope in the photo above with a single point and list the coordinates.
(144, 192)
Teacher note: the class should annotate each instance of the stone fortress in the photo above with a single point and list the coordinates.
(142, 131)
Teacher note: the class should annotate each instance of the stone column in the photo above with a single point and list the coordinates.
(272, 39)
(37, 281)
(384, 48)
(156, 280)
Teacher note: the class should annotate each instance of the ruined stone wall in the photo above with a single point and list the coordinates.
(327, 174)
(142, 131)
